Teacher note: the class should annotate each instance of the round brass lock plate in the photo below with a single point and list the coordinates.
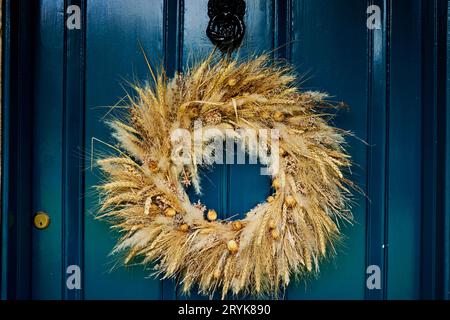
(41, 220)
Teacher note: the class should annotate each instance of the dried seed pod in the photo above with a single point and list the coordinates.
(232, 246)
(184, 228)
(232, 82)
(237, 225)
(212, 215)
(170, 212)
(276, 183)
(278, 116)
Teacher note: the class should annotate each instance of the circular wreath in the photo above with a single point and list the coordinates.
(144, 195)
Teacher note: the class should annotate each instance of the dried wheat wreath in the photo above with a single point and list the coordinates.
(143, 193)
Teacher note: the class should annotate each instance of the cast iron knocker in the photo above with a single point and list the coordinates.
(226, 27)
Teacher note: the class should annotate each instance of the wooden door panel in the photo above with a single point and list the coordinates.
(114, 31)
(330, 49)
(405, 154)
(47, 149)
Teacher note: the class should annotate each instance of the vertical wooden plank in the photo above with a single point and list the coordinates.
(405, 153)
(429, 116)
(195, 43)
(378, 152)
(114, 30)
(329, 47)
(259, 37)
(16, 166)
(282, 25)
(73, 146)
(173, 35)
(21, 189)
(434, 33)
(446, 189)
(443, 269)
(6, 158)
(47, 273)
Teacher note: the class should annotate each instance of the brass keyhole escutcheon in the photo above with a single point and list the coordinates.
(41, 220)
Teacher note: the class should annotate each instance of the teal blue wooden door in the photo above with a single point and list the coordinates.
(80, 73)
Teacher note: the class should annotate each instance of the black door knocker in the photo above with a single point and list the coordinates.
(226, 27)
